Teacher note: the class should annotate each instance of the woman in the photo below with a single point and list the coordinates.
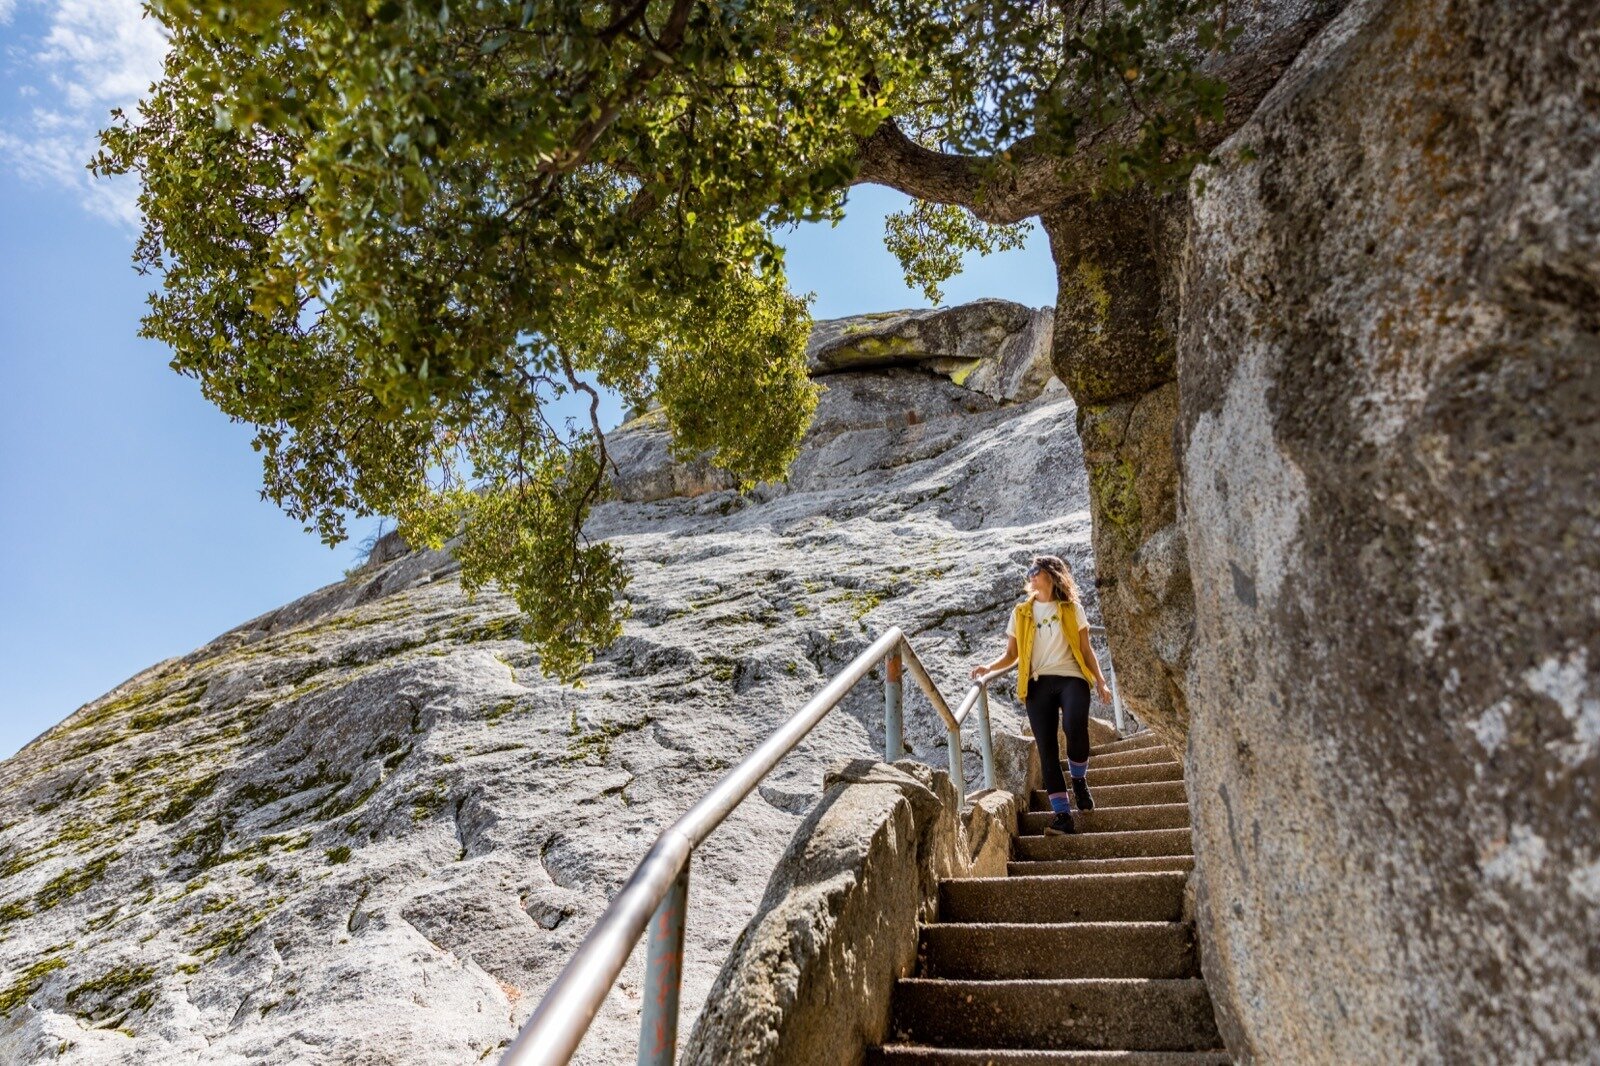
(1049, 634)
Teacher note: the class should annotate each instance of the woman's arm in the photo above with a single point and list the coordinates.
(1094, 664)
(1005, 662)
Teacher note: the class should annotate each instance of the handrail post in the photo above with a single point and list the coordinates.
(985, 738)
(1117, 715)
(894, 748)
(663, 977)
(956, 777)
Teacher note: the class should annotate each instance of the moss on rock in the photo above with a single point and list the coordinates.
(27, 983)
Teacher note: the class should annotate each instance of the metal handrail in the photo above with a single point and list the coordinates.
(656, 894)
(1119, 716)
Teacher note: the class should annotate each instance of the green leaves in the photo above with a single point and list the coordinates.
(390, 232)
(1110, 87)
(735, 383)
(931, 239)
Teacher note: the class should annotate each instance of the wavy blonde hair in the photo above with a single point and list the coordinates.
(1060, 577)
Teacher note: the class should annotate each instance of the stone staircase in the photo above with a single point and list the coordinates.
(1081, 954)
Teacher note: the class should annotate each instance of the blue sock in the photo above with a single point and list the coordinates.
(1061, 802)
(1080, 770)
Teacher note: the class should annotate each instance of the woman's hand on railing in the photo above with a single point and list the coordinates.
(978, 671)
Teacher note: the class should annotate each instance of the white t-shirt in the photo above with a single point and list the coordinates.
(1051, 655)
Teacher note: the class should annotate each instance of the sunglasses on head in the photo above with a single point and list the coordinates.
(1032, 570)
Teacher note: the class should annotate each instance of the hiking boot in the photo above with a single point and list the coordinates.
(1061, 826)
(1080, 792)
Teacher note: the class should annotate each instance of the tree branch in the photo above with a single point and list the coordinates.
(592, 492)
(1028, 177)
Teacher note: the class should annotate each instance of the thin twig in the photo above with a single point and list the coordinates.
(593, 490)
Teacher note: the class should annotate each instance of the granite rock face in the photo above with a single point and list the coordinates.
(1114, 349)
(896, 368)
(363, 828)
(1118, 266)
(995, 347)
(1390, 368)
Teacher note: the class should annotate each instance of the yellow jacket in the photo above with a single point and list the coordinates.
(1070, 615)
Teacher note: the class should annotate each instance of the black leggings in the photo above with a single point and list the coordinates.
(1046, 693)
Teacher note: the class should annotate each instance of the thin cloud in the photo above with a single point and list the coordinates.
(92, 56)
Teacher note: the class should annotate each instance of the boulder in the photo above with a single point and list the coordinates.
(1390, 367)
(995, 347)
(644, 468)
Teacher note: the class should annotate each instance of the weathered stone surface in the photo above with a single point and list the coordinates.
(991, 822)
(885, 338)
(1117, 264)
(1141, 568)
(810, 978)
(1115, 317)
(1390, 367)
(994, 347)
(1014, 755)
(888, 398)
(1113, 347)
(968, 359)
(643, 468)
(176, 852)
(1021, 367)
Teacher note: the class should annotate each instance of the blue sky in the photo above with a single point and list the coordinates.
(132, 527)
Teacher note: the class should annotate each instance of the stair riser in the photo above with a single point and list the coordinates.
(1134, 775)
(1113, 819)
(925, 1056)
(1131, 757)
(1017, 952)
(1106, 796)
(1144, 842)
(1135, 1015)
(1143, 740)
(1057, 868)
(1144, 897)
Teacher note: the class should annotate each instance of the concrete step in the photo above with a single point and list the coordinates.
(1114, 1014)
(1136, 842)
(1137, 740)
(1138, 774)
(1101, 897)
(999, 951)
(912, 1055)
(1122, 795)
(1136, 864)
(1112, 819)
(1131, 757)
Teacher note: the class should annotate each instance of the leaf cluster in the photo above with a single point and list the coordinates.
(392, 234)
(1113, 93)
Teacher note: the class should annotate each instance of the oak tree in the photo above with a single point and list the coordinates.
(391, 233)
